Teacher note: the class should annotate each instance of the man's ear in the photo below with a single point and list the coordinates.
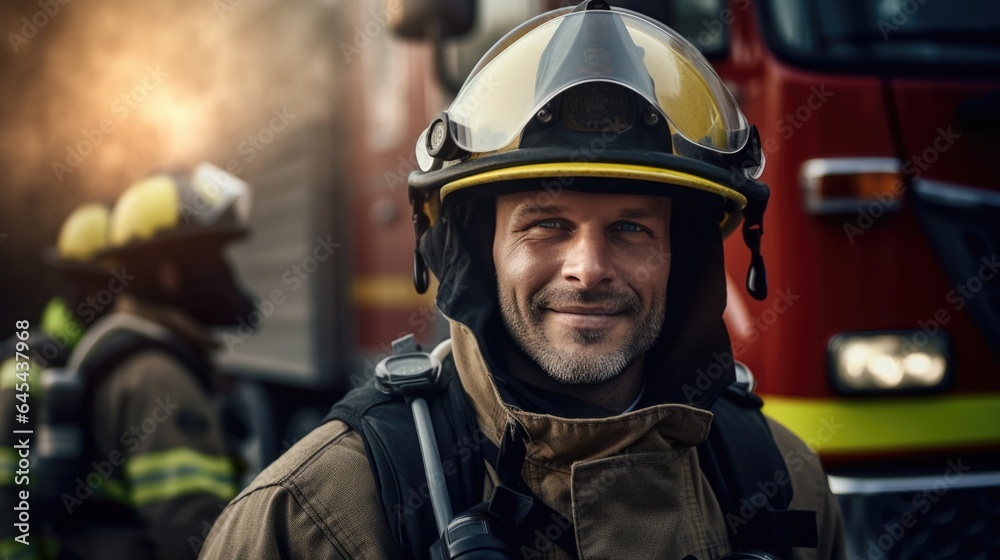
(169, 277)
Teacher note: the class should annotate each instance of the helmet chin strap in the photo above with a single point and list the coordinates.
(753, 230)
(421, 223)
(421, 278)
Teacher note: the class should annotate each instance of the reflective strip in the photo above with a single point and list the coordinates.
(162, 476)
(61, 324)
(13, 550)
(8, 464)
(114, 490)
(891, 423)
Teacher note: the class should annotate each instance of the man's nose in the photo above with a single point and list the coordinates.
(587, 259)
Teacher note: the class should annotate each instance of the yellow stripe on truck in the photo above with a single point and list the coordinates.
(391, 292)
(901, 423)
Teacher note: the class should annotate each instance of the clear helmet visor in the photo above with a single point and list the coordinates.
(548, 55)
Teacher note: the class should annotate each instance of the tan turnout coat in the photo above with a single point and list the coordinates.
(631, 485)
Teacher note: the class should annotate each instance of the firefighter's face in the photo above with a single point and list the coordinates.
(582, 279)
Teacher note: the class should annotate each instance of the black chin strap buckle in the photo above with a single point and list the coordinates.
(753, 231)
(421, 223)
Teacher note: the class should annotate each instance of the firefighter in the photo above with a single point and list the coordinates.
(156, 469)
(572, 203)
(82, 236)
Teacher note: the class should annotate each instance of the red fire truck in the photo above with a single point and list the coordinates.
(880, 343)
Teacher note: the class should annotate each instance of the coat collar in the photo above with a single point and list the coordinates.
(172, 318)
(563, 441)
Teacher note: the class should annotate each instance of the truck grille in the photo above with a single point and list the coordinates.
(931, 520)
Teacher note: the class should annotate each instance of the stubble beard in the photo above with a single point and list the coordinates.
(572, 368)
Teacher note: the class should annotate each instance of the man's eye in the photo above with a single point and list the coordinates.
(629, 227)
(548, 224)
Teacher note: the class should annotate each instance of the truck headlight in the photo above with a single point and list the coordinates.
(886, 362)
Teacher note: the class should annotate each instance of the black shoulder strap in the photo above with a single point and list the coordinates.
(73, 407)
(118, 346)
(40, 344)
(122, 344)
(386, 425)
(749, 477)
(740, 460)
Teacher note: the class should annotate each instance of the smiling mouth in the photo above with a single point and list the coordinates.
(579, 317)
(595, 309)
(588, 310)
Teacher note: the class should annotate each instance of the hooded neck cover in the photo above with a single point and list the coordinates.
(691, 362)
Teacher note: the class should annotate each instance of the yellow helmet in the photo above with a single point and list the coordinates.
(82, 238)
(604, 97)
(83, 234)
(168, 207)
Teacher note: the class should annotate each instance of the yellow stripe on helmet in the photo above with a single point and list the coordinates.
(597, 169)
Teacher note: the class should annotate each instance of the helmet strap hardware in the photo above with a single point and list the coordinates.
(421, 223)
(544, 115)
(753, 231)
(440, 142)
(421, 277)
(650, 118)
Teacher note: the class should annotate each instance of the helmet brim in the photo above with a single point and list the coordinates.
(168, 240)
(73, 267)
